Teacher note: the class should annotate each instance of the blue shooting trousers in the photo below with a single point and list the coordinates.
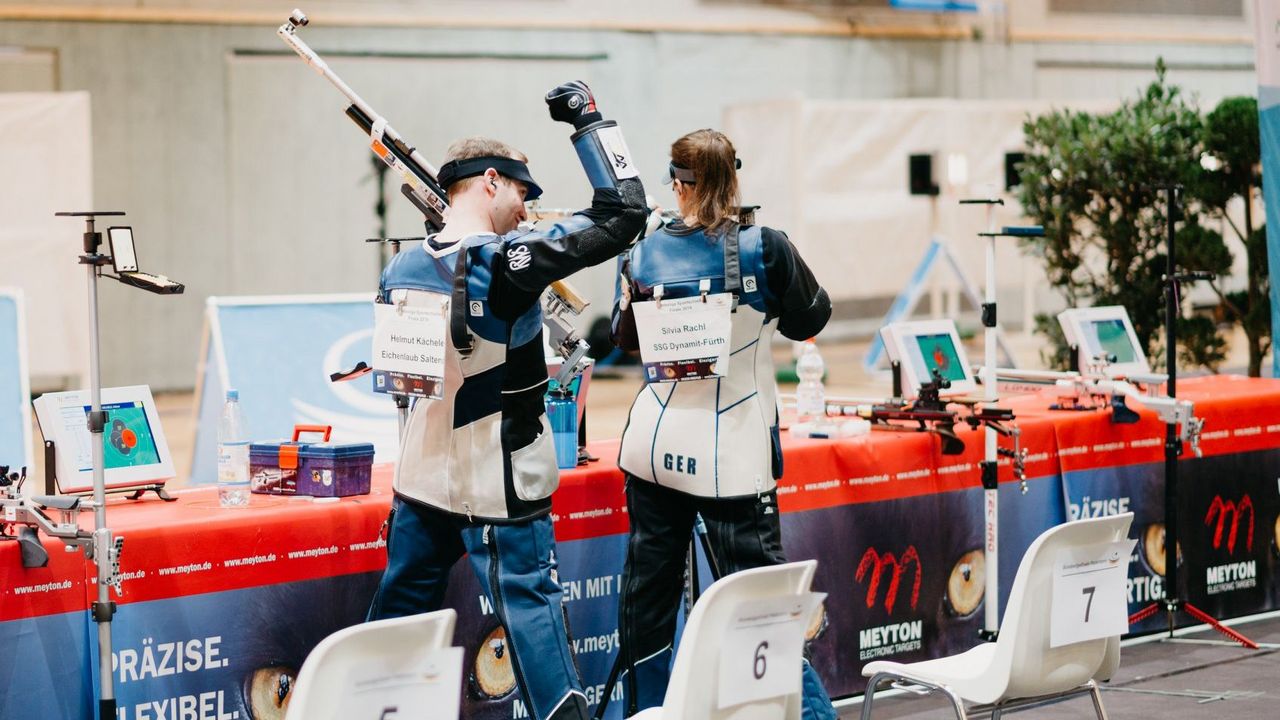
(515, 563)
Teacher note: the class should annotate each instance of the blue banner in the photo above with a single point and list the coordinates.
(278, 352)
(1266, 17)
(15, 392)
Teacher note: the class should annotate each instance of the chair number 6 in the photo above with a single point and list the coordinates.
(759, 666)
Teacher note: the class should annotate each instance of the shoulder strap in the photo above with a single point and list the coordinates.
(462, 340)
(732, 261)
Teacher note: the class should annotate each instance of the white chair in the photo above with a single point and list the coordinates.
(1019, 668)
(694, 688)
(326, 674)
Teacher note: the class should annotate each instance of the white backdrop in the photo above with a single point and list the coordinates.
(45, 151)
(833, 175)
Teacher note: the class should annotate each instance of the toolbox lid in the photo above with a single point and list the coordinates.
(336, 451)
(272, 448)
(280, 453)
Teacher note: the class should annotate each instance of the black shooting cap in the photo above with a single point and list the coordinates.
(455, 170)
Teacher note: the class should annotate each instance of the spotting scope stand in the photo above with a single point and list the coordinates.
(990, 482)
(99, 546)
(1173, 602)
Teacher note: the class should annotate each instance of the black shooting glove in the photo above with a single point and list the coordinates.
(573, 103)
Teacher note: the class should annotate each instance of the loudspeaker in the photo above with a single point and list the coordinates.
(920, 174)
(1013, 178)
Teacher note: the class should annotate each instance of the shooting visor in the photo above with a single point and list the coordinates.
(685, 175)
(510, 168)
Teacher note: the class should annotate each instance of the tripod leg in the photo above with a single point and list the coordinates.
(1144, 613)
(700, 529)
(1209, 620)
(608, 686)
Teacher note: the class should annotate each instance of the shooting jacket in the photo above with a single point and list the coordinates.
(717, 437)
(485, 450)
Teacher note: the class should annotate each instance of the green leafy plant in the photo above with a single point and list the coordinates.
(1094, 181)
(1230, 172)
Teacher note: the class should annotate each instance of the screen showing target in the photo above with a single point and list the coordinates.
(939, 353)
(127, 439)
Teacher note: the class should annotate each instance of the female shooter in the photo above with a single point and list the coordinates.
(702, 436)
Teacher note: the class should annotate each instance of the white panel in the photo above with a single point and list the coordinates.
(45, 151)
(854, 221)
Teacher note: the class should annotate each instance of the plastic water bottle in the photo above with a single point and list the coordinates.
(562, 413)
(811, 396)
(233, 455)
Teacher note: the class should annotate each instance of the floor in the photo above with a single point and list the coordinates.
(1183, 678)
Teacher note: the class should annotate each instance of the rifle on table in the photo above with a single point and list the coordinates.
(1097, 387)
(930, 412)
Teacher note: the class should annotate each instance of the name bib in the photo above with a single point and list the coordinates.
(685, 338)
(408, 347)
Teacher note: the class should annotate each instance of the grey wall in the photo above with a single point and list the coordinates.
(241, 175)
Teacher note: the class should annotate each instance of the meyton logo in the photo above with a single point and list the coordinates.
(1221, 509)
(875, 564)
(894, 638)
(1236, 575)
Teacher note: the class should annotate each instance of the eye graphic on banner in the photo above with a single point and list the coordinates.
(967, 584)
(492, 673)
(1152, 555)
(1221, 510)
(873, 564)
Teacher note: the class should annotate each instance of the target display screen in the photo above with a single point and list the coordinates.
(925, 347)
(134, 450)
(127, 440)
(1105, 335)
(1112, 338)
(939, 353)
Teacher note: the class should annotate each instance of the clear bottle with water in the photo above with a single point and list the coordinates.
(811, 395)
(233, 454)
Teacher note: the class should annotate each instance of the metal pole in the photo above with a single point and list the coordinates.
(103, 609)
(990, 482)
(1172, 445)
(402, 401)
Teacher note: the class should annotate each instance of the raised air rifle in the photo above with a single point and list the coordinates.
(561, 303)
(419, 176)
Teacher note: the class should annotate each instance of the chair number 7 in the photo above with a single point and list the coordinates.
(1088, 591)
